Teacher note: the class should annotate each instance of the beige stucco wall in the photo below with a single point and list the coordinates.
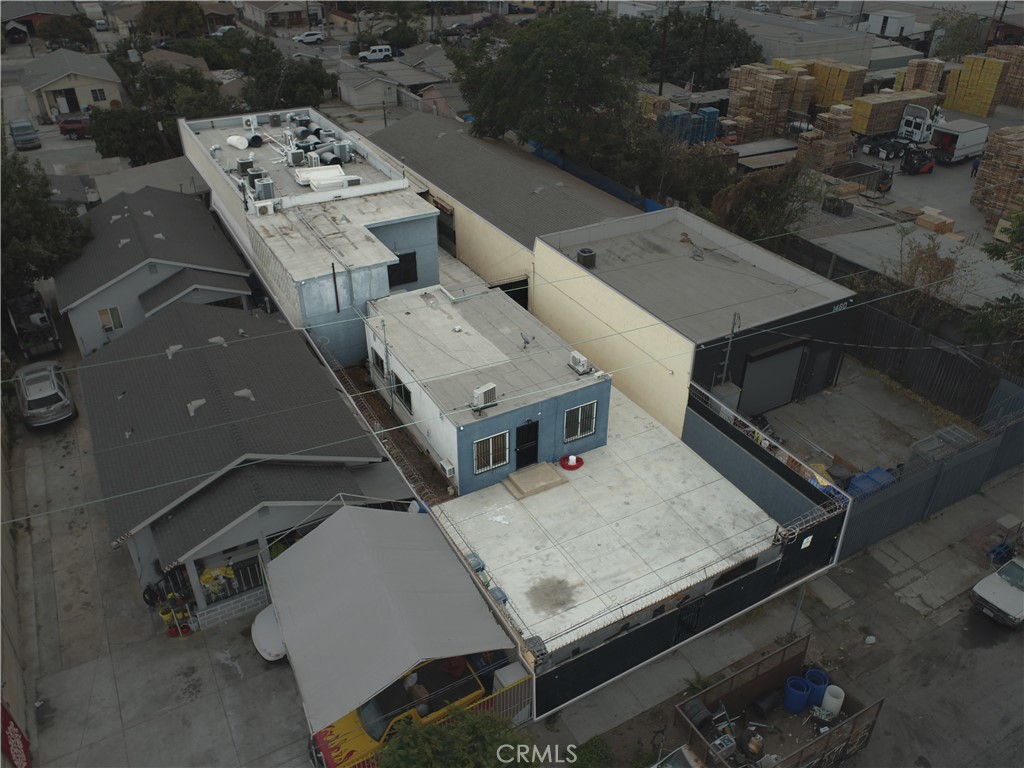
(487, 250)
(649, 362)
(83, 90)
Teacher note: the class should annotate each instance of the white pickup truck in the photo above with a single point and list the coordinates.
(1000, 595)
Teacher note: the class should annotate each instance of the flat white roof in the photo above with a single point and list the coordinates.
(454, 345)
(315, 224)
(694, 276)
(644, 519)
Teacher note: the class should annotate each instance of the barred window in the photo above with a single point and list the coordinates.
(489, 453)
(378, 361)
(403, 393)
(580, 422)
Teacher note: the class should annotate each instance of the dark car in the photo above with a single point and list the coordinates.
(75, 127)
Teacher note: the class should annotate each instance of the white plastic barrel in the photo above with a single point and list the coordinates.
(833, 700)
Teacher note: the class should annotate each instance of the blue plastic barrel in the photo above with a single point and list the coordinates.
(794, 698)
(818, 680)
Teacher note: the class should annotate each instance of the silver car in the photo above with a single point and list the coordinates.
(44, 394)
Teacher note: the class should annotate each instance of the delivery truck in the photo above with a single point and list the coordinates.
(914, 126)
(959, 140)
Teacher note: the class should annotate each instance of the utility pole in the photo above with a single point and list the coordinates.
(664, 44)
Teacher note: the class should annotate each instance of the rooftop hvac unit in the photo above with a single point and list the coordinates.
(294, 157)
(275, 120)
(242, 165)
(485, 396)
(327, 157)
(448, 467)
(586, 257)
(300, 132)
(343, 149)
(303, 121)
(252, 122)
(264, 189)
(255, 173)
(579, 363)
(327, 134)
(264, 207)
(315, 129)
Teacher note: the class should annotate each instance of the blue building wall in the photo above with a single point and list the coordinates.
(550, 446)
(341, 334)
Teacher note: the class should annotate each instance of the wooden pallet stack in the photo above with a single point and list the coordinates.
(922, 75)
(830, 142)
(771, 103)
(975, 89)
(836, 81)
(1013, 76)
(880, 112)
(999, 187)
(803, 82)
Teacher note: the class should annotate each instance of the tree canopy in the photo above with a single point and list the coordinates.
(563, 75)
(766, 204)
(37, 237)
(76, 28)
(704, 50)
(176, 19)
(962, 32)
(1012, 251)
(469, 739)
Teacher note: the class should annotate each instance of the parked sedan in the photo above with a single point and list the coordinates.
(44, 394)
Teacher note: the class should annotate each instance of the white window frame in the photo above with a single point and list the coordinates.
(494, 461)
(114, 316)
(580, 433)
(98, 94)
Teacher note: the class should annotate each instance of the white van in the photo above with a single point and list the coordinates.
(376, 53)
(101, 25)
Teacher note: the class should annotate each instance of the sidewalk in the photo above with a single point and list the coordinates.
(898, 592)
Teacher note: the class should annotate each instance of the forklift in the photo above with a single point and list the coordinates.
(885, 178)
(917, 161)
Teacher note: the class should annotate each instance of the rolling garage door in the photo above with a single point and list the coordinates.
(770, 376)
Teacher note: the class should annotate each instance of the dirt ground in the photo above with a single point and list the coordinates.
(419, 470)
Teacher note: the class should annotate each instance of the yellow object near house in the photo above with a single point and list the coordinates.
(426, 694)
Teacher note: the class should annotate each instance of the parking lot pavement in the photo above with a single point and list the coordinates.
(112, 688)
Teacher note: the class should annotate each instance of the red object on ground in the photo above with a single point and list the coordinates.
(15, 744)
(564, 463)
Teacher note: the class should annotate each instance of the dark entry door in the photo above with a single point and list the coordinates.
(526, 444)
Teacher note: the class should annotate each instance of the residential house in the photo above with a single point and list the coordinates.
(124, 17)
(31, 14)
(179, 61)
(365, 89)
(444, 100)
(64, 82)
(217, 432)
(507, 392)
(176, 175)
(268, 14)
(218, 14)
(319, 217)
(150, 249)
(407, 599)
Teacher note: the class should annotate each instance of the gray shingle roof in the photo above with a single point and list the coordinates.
(176, 175)
(53, 66)
(15, 9)
(151, 224)
(184, 280)
(215, 507)
(149, 450)
(522, 195)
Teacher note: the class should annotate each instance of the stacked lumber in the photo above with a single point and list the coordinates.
(836, 81)
(935, 222)
(803, 91)
(771, 104)
(745, 129)
(880, 112)
(830, 143)
(652, 105)
(1013, 76)
(759, 100)
(999, 187)
(922, 75)
(975, 89)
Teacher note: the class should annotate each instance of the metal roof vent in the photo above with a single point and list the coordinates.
(195, 405)
(172, 349)
(586, 257)
(245, 394)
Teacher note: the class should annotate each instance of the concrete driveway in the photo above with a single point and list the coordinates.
(111, 688)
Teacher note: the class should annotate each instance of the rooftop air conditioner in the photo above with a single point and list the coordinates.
(448, 467)
(252, 122)
(264, 207)
(485, 396)
(295, 157)
(579, 363)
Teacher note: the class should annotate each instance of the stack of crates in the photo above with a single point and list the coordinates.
(999, 188)
(975, 89)
(1013, 77)
(921, 75)
(696, 130)
(836, 81)
(710, 116)
(674, 124)
(880, 112)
